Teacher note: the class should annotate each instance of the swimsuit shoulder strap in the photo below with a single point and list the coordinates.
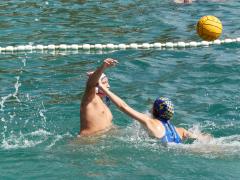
(171, 134)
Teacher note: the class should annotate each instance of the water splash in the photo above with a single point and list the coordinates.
(20, 130)
(224, 146)
(16, 141)
(210, 146)
(137, 136)
(43, 117)
(14, 95)
(31, 139)
(4, 100)
(17, 85)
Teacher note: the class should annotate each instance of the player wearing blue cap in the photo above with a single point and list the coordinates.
(159, 124)
(163, 111)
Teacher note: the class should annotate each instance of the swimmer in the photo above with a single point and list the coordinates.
(95, 116)
(159, 125)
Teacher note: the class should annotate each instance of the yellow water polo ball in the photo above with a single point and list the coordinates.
(209, 28)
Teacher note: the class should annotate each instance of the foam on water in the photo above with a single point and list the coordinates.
(227, 145)
(217, 147)
(32, 139)
(17, 141)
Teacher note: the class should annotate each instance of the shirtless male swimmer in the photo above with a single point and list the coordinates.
(95, 116)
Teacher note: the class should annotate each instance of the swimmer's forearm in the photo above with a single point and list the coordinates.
(198, 136)
(124, 107)
(93, 79)
(114, 98)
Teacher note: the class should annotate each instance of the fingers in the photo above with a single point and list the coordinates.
(110, 61)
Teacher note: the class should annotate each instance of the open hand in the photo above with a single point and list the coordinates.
(109, 62)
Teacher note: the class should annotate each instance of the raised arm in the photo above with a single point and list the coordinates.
(142, 118)
(94, 77)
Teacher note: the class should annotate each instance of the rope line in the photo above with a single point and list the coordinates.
(157, 45)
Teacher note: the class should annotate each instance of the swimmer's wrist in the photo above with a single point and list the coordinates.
(104, 66)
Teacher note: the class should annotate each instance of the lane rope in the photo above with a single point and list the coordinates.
(157, 45)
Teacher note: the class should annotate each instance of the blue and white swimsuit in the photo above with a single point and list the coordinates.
(171, 134)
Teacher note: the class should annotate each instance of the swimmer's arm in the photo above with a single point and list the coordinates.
(198, 136)
(188, 134)
(142, 118)
(94, 77)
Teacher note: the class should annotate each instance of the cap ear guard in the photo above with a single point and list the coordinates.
(97, 90)
(102, 76)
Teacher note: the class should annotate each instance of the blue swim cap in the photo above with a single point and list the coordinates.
(163, 109)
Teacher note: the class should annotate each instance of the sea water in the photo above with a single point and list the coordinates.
(40, 92)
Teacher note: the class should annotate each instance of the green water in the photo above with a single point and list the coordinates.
(41, 92)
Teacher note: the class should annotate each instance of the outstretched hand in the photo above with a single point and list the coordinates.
(109, 62)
